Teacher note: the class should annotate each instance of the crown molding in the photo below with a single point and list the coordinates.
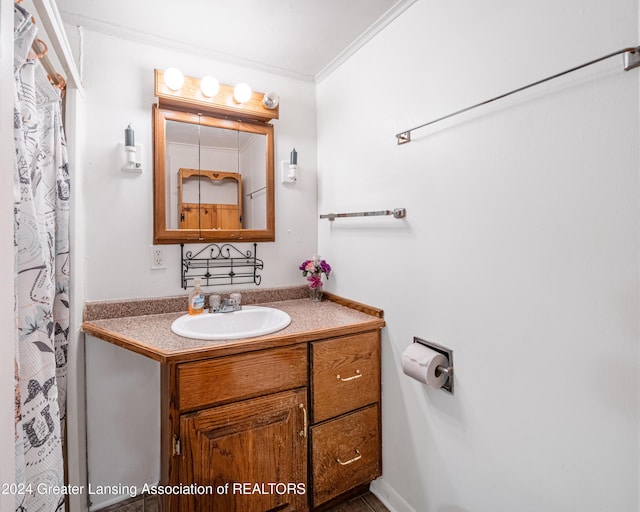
(113, 30)
(384, 20)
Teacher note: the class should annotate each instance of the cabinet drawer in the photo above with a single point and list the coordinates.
(241, 376)
(345, 374)
(345, 453)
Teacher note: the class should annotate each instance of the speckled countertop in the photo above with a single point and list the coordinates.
(151, 335)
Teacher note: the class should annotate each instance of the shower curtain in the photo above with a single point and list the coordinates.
(41, 240)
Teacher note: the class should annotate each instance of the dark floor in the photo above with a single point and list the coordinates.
(365, 503)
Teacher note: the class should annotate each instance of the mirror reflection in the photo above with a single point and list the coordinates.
(216, 178)
(213, 179)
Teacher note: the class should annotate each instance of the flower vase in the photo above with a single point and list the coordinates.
(315, 293)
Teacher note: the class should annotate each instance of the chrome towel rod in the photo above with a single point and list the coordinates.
(250, 194)
(631, 60)
(398, 213)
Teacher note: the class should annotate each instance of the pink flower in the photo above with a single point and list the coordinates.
(310, 267)
(315, 281)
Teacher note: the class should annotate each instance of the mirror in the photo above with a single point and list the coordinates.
(213, 179)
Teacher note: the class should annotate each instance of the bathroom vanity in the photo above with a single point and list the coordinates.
(287, 421)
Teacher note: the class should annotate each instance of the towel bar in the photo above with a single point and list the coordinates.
(631, 61)
(398, 213)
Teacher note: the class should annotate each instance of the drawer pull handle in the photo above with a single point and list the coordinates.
(350, 461)
(356, 376)
(303, 432)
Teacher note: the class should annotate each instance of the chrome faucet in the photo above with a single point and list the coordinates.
(226, 306)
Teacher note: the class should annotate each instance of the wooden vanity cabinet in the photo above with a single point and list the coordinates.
(305, 415)
(239, 419)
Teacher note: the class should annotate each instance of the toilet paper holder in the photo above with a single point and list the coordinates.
(448, 353)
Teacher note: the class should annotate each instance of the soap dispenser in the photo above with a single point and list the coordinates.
(196, 299)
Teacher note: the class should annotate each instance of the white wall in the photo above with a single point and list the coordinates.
(520, 249)
(254, 206)
(123, 420)
(118, 79)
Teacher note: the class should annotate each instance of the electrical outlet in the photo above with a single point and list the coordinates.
(157, 257)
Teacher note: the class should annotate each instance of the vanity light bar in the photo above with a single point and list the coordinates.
(189, 95)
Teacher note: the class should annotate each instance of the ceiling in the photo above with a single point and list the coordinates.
(304, 39)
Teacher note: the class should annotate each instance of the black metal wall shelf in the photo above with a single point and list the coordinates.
(218, 265)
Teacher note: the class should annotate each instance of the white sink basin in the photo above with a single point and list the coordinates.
(249, 322)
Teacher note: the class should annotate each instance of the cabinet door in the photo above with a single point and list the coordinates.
(189, 216)
(197, 216)
(228, 216)
(258, 447)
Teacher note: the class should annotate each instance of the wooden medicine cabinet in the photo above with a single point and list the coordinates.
(213, 167)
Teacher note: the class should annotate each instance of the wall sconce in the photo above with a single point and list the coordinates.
(242, 93)
(174, 79)
(290, 168)
(130, 152)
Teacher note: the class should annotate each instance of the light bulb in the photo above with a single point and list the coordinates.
(242, 93)
(270, 100)
(209, 86)
(174, 78)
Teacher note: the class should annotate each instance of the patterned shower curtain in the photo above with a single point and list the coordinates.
(41, 213)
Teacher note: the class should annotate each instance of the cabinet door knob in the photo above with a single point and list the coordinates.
(356, 376)
(350, 461)
(303, 432)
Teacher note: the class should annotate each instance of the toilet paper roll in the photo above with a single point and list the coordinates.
(420, 363)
